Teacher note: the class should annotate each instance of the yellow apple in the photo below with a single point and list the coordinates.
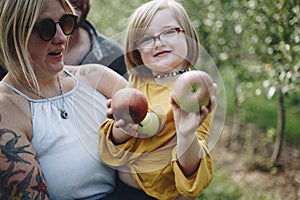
(150, 125)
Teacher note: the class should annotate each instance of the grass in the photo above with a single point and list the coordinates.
(263, 112)
(221, 188)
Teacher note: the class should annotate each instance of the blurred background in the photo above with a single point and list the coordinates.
(256, 46)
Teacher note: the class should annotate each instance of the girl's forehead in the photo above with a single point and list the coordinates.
(163, 18)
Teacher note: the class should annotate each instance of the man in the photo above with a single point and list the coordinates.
(87, 45)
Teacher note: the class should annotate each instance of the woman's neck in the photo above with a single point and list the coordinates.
(47, 88)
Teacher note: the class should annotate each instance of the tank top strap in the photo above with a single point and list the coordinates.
(70, 74)
(14, 89)
(25, 96)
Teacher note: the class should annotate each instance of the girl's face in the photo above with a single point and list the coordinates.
(47, 56)
(163, 47)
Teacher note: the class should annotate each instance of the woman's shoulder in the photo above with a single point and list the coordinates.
(14, 111)
(10, 100)
(4, 102)
(7, 97)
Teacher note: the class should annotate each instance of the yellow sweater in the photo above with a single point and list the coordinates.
(152, 161)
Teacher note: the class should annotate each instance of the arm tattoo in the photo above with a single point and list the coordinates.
(82, 71)
(10, 153)
(86, 71)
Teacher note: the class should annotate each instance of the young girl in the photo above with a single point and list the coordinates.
(161, 44)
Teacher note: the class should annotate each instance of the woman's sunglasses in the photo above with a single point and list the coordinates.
(47, 27)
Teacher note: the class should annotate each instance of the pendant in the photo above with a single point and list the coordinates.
(64, 114)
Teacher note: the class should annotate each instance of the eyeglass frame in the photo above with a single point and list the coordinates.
(40, 31)
(156, 37)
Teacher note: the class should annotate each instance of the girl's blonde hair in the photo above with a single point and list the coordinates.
(140, 20)
(17, 19)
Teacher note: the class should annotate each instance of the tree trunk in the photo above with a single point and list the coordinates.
(235, 139)
(280, 128)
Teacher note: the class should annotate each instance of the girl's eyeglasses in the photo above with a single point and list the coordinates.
(147, 42)
(47, 27)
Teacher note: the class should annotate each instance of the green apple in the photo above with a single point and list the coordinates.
(192, 90)
(150, 125)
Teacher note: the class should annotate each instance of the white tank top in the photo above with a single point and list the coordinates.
(67, 149)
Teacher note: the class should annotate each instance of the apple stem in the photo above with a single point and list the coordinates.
(141, 125)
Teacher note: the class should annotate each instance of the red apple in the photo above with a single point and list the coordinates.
(130, 105)
(192, 90)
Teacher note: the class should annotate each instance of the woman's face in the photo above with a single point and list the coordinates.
(47, 56)
(168, 49)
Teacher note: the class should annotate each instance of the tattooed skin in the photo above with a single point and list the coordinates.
(10, 153)
(82, 72)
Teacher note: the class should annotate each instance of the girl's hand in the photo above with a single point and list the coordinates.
(129, 129)
(109, 113)
(187, 122)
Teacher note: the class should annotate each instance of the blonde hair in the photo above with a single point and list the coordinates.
(17, 19)
(140, 20)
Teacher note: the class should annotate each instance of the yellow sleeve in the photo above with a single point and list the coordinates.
(111, 154)
(194, 185)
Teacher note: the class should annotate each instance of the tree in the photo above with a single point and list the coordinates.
(275, 39)
(261, 30)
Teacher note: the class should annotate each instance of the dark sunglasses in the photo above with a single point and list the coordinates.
(47, 27)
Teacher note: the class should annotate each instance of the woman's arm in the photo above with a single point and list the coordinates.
(21, 176)
(108, 82)
(103, 79)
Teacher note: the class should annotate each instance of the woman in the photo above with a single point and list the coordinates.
(49, 112)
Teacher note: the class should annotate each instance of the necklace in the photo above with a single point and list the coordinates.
(63, 112)
(168, 74)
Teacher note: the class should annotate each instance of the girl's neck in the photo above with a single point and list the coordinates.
(169, 76)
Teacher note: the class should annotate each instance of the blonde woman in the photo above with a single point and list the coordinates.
(175, 163)
(49, 112)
